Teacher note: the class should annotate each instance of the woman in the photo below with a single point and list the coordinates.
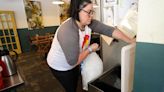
(71, 46)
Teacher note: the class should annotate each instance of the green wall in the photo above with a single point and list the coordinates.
(149, 68)
(25, 33)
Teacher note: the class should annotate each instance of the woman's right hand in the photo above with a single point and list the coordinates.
(94, 47)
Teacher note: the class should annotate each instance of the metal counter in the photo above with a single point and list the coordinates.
(12, 81)
(111, 54)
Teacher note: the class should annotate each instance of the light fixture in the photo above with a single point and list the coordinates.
(95, 5)
(57, 2)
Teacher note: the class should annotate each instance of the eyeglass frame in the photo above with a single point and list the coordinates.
(91, 12)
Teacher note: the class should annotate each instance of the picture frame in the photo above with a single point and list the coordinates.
(64, 12)
(33, 14)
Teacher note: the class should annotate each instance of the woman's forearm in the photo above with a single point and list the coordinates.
(92, 48)
(120, 35)
(82, 56)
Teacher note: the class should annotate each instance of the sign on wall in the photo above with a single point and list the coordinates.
(33, 14)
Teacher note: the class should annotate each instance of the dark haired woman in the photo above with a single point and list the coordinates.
(71, 46)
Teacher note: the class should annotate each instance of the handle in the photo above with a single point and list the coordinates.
(16, 56)
(115, 40)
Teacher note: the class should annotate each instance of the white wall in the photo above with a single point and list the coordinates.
(123, 7)
(50, 12)
(151, 21)
(97, 10)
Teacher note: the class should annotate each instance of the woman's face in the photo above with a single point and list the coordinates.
(86, 14)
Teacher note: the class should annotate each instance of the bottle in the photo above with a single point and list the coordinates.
(8, 63)
(4, 68)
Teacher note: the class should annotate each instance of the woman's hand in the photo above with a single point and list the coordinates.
(86, 52)
(133, 40)
(94, 47)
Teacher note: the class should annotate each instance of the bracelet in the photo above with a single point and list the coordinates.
(90, 49)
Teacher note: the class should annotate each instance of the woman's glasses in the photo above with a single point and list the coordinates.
(91, 12)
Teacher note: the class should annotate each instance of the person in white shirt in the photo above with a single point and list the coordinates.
(71, 43)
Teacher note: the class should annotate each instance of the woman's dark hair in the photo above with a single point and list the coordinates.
(76, 6)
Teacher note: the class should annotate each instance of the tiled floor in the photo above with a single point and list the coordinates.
(37, 75)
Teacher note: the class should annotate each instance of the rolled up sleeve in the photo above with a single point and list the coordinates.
(69, 42)
(101, 28)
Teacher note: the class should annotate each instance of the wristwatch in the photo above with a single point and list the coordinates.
(90, 49)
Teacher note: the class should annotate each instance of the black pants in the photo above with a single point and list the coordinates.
(68, 79)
